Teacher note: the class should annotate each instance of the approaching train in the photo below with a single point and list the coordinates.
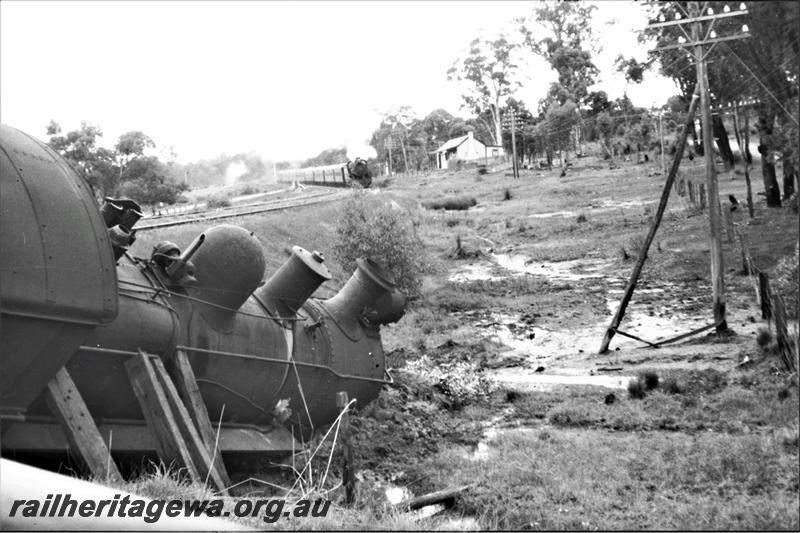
(73, 296)
(354, 173)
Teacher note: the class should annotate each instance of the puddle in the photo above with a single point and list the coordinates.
(630, 203)
(535, 343)
(529, 380)
(395, 494)
(562, 270)
(519, 265)
(657, 312)
(605, 207)
(474, 272)
(553, 214)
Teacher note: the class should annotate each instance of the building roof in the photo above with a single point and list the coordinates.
(452, 143)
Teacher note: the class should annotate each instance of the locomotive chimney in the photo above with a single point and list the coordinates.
(294, 283)
(369, 293)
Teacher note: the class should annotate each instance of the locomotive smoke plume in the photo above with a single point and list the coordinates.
(234, 171)
(364, 151)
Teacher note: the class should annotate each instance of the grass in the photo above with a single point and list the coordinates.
(698, 462)
(711, 446)
(551, 479)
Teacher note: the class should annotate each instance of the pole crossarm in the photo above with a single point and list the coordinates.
(707, 41)
(715, 16)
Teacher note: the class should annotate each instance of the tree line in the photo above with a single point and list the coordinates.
(129, 169)
(761, 69)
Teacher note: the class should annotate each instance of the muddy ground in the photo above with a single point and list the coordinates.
(503, 345)
(499, 385)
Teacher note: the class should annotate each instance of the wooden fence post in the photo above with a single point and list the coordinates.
(727, 219)
(782, 333)
(764, 296)
(702, 195)
(692, 198)
(743, 249)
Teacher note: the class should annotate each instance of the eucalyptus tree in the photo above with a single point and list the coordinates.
(486, 74)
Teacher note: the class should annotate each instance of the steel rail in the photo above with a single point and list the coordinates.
(239, 212)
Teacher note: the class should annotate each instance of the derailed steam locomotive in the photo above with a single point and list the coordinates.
(72, 296)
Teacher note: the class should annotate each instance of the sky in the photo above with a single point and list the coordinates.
(283, 79)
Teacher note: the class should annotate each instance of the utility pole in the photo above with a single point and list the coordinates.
(717, 268)
(510, 122)
(661, 134)
(389, 143)
(697, 42)
(514, 143)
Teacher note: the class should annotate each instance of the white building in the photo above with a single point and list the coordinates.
(465, 148)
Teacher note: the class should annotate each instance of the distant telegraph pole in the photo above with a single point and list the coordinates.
(390, 143)
(696, 18)
(510, 123)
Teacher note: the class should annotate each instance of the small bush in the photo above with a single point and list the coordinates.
(581, 218)
(636, 245)
(764, 337)
(507, 195)
(216, 202)
(671, 386)
(248, 189)
(461, 383)
(649, 380)
(369, 227)
(451, 203)
(636, 389)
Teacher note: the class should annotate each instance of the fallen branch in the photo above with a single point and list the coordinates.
(445, 496)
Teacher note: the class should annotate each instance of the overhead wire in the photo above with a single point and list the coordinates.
(761, 83)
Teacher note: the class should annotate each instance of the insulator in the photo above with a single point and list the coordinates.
(681, 39)
(662, 18)
(742, 7)
(678, 16)
(710, 11)
(745, 29)
(713, 34)
(726, 9)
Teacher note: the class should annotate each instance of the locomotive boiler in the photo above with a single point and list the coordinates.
(73, 296)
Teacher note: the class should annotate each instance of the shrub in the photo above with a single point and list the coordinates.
(460, 383)
(636, 245)
(671, 386)
(581, 218)
(507, 195)
(247, 189)
(381, 231)
(217, 201)
(451, 203)
(636, 389)
(764, 337)
(649, 379)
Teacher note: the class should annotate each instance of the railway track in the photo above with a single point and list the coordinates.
(314, 197)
